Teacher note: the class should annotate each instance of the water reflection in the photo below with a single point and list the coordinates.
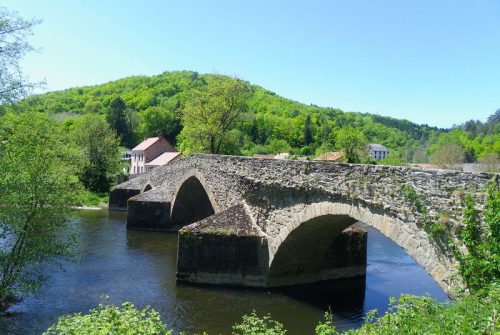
(140, 267)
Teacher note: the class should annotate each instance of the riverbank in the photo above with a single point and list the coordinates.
(90, 200)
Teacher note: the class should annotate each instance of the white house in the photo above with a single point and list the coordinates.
(378, 151)
(147, 151)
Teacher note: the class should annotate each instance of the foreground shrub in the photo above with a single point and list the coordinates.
(475, 314)
(254, 325)
(111, 320)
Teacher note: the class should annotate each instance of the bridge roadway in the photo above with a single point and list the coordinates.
(267, 222)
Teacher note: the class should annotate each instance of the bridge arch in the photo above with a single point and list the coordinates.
(193, 200)
(308, 232)
(147, 187)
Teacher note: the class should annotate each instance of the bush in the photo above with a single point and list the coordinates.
(254, 325)
(108, 319)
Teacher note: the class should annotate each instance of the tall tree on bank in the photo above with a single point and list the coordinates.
(14, 31)
(308, 131)
(352, 142)
(211, 112)
(118, 119)
(99, 146)
(37, 187)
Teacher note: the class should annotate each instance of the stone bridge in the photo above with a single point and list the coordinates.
(265, 222)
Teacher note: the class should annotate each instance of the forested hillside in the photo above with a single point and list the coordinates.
(269, 124)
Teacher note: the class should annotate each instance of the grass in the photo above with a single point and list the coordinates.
(90, 199)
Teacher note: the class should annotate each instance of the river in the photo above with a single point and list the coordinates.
(140, 267)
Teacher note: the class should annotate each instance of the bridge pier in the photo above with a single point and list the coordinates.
(223, 249)
(119, 197)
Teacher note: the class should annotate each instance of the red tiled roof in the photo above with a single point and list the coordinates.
(330, 156)
(163, 159)
(146, 143)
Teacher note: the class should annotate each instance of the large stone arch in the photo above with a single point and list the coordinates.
(326, 220)
(193, 200)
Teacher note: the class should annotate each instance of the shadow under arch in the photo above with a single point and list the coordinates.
(413, 240)
(192, 201)
(321, 248)
(147, 187)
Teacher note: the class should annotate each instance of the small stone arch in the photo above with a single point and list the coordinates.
(193, 200)
(331, 218)
(147, 187)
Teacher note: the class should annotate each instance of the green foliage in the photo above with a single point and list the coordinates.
(326, 327)
(211, 112)
(437, 230)
(154, 105)
(14, 32)
(475, 314)
(37, 187)
(254, 325)
(479, 266)
(98, 143)
(161, 120)
(391, 160)
(411, 195)
(352, 142)
(448, 156)
(117, 119)
(421, 315)
(91, 199)
(108, 319)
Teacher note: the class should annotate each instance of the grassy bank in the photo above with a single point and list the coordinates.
(91, 199)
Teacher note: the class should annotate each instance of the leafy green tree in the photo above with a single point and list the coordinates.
(14, 32)
(211, 113)
(108, 319)
(449, 156)
(37, 187)
(352, 142)
(480, 265)
(161, 120)
(117, 118)
(99, 146)
(308, 131)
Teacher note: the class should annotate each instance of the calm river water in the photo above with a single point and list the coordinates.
(140, 267)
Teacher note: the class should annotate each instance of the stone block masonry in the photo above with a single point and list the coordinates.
(292, 204)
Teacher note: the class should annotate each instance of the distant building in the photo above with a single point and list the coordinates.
(331, 156)
(378, 151)
(147, 152)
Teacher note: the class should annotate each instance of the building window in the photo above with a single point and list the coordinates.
(134, 169)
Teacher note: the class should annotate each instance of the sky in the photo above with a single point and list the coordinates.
(427, 61)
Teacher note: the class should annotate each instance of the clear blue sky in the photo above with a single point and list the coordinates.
(428, 61)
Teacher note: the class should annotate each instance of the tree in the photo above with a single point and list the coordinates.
(117, 119)
(14, 31)
(308, 131)
(161, 120)
(37, 187)
(211, 113)
(480, 264)
(352, 142)
(99, 145)
(448, 156)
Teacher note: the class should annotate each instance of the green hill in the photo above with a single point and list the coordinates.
(273, 123)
